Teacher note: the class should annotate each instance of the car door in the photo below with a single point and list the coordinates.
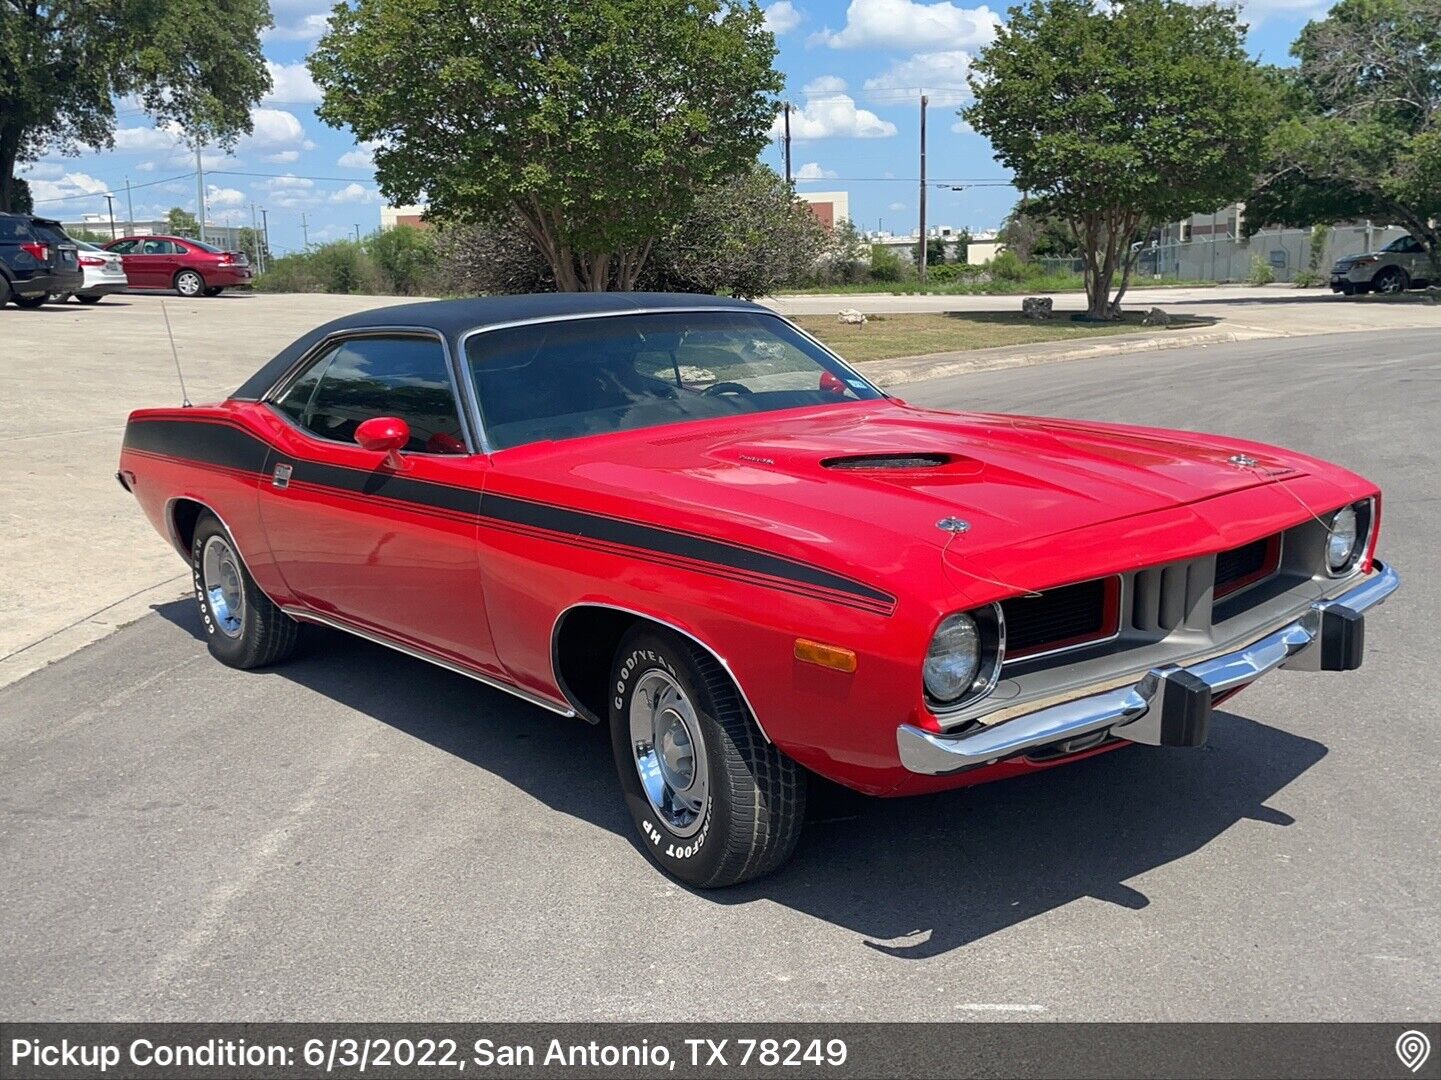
(384, 546)
(1418, 266)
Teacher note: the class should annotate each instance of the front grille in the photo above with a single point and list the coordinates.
(1060, 618)
(1246, 565)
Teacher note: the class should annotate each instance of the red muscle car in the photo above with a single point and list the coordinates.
(684, 518)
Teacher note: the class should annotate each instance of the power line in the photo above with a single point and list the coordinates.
(102, 194)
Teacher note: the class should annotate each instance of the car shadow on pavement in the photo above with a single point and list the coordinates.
(915, 878)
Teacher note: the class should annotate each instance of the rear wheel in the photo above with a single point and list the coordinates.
(715, 803)
(214, 290)
(189, 283)
(1390, 281)
(89, 299)
(31, 302)
(243, 629)
(4, 291)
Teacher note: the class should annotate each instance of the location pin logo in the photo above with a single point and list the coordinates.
(1413, 1048)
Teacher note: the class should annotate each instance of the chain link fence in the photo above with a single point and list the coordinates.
(1285, 252)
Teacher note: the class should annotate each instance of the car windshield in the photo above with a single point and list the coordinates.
(1404, 244)
(561, 380)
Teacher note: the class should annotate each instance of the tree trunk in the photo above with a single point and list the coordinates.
(9, 153)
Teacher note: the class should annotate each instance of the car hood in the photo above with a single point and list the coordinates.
(811, 483)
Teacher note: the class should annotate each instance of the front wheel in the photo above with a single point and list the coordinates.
(1390, 281)
(715, 803)
(189, 283)
(243, 629)
(31, 302)
(214, 290)
(88, 299)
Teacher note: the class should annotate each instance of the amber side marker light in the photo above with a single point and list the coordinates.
(830, 656)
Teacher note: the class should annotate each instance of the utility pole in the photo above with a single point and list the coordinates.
(200, 192)
(255, 237)
(921, 253)
(265, 230)
(110, 206)
(357, 232)
(304, 233)
(788, 142)
(129, 208)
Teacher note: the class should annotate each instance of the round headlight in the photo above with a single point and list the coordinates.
(1341, 543)
(953, 659)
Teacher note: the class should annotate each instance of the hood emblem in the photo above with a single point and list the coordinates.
(953, 525)
(1243, 461)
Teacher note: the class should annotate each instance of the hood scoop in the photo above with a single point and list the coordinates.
(888, 462)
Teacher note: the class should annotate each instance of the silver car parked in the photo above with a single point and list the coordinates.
(1400, 265)
(104, 273)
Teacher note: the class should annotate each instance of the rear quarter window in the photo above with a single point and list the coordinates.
(13, 230)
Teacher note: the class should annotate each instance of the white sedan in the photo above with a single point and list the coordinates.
(104, 273)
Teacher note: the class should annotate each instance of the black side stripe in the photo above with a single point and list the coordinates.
(221, 444)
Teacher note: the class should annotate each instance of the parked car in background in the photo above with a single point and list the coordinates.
(1400, 265)
(104, 273)
(37, 260)
(188, 266)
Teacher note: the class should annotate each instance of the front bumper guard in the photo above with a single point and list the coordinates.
(1170, 705)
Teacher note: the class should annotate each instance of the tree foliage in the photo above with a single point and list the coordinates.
(1032, 233)
(593, 125)
(182, 222)
(1366, 142)
(1112, 118)
(192, 63)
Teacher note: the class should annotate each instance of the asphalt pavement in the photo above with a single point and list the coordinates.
(358, 835)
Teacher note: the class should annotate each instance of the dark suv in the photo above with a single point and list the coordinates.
(37, 260)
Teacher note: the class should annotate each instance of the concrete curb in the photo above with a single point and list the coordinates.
(908, 369)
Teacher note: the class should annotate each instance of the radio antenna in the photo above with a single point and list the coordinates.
(184, 396)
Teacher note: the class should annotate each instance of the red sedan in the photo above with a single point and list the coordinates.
(188, 266)
(684, 519)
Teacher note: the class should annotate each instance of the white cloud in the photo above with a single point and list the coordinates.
(812, 171)
(274, 129)
(43, 170)
(284, 157)
(939, 75)
(145, 166)
(298, 20)
(826, 84)
(782, 17)
(291, 84)
(906, 24)
(833, 116)
(896, 206)
(960, 127)
(68, 186)
(221, 197)
(286, 182)
(147, 140)
(353, 193)
(362, 157)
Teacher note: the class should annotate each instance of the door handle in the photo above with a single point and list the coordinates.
(280, 478)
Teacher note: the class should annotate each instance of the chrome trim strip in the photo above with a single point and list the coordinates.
(719, 659)
(930, 754)
(306, 615)
(468, 376)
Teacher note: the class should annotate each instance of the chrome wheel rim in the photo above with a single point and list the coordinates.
(187, 285)
(669, 752)
(224, 589)
(1391, 284)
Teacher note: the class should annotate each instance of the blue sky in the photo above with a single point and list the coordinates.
(854, 71)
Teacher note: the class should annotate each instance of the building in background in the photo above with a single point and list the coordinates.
(961, 245)
(830, 207)
(392, 216)
(98, 225)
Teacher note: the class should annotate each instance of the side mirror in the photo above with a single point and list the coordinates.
(384, 435)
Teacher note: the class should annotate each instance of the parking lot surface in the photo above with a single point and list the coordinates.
(360, 835)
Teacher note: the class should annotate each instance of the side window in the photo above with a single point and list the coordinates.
(404, 377)
(124, 247)
(13, 230)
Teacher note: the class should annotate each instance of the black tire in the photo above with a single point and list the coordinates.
(264, 635)
(189, 284)
(89, 299)
(1346, 290)
(5, 294)
(214, 290)
(30, 303)
(755, 796)
(1390, 281)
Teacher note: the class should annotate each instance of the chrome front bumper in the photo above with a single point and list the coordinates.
(1169, 706)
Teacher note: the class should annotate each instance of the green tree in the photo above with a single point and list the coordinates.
(1116, 118)
(182, 222)
(594, 125)
(1367, 142)
(252, 242)
(1034, 234)
(405, 257)
(63, 63)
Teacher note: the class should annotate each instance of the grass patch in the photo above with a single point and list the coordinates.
(1044, 283)
(887, 336)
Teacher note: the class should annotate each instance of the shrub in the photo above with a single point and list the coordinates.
(1306, 279)
(406, 260)
(1261, 272)
(886, 265)
(1007, 266)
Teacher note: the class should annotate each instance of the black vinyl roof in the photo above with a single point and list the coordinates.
(452, 318)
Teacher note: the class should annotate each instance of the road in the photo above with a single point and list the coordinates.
(359, 835)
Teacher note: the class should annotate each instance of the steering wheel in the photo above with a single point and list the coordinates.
(727, 388)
